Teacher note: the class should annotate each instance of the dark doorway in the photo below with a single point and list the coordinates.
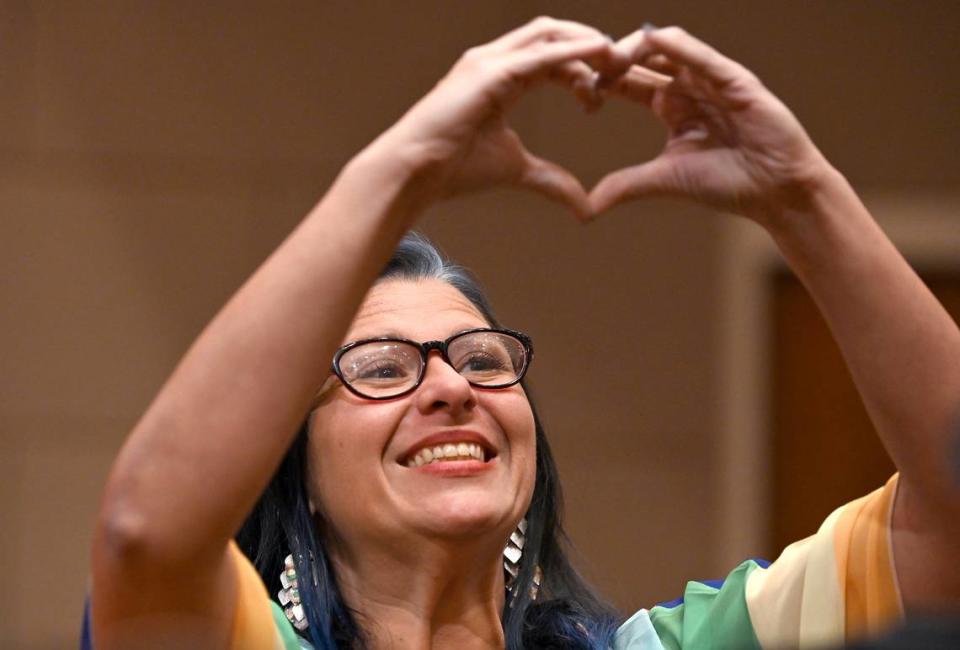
(825, 451)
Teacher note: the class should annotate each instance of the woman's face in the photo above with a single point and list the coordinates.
(359, 449)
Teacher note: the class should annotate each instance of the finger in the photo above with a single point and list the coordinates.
(663, 65)
(581, 79)
(680, 47)
(556, 183)
(530, 62)
(648, 179)
(536, 34)
(543, 28)
(624, 50)
(628, 45)
(640, 84)
(547, 30)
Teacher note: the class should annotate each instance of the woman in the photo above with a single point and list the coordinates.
(403, 550)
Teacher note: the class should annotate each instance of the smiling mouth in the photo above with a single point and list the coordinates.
(448, 452)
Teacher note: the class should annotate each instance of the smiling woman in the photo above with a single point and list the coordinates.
(359, 415)
(457, 460)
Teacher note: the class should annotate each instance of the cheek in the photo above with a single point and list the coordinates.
(516, 420)
(527, 426)
(346, 448)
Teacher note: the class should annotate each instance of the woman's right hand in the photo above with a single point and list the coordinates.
(457, 138)
(198, 459)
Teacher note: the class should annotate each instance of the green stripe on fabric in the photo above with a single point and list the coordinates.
(284, 629)
(709, 618)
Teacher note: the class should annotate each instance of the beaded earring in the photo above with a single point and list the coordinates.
(289, 595)
(512, 553)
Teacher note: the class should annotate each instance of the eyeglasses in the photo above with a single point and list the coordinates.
(384, 368)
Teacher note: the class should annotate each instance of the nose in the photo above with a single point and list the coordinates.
(444, 388)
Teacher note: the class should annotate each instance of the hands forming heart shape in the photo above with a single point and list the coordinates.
(731, 144)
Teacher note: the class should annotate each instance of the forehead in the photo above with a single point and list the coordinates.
(416, 309)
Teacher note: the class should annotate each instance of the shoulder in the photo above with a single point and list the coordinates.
(258, 622)
(836, 585)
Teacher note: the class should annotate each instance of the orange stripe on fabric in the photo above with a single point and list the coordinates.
(864, 567)
(253, 627)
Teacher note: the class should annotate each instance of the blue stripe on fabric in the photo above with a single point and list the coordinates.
(670, 604)
(86, 643)
(676, 602)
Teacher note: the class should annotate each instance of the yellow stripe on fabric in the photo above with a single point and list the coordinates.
(864, 563)
(253, 626)
(822, 613)
(774, 597)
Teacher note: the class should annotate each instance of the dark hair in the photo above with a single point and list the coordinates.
(566, 614)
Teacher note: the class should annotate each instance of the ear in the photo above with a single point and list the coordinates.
(313, 508)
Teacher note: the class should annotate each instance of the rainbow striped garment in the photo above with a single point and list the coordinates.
(832, 587)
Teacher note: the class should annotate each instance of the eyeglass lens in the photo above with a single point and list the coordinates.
(386, 368)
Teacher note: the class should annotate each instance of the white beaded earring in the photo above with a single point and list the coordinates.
(289, 595)
(512, 553)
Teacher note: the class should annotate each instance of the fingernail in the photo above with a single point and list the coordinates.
(649, 27)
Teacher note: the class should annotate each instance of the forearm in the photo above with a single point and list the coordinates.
(902, 348)
(209, 443)
(197, 461)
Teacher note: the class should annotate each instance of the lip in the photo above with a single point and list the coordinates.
(452, 435)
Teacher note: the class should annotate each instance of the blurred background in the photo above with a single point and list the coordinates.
(152, 154)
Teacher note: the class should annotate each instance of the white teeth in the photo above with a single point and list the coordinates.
(448, 451)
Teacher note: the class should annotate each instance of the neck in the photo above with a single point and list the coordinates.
(433, 594)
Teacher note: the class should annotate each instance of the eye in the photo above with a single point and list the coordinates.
(381, 363)
(487, 358)
(481, 361)
(380, 370)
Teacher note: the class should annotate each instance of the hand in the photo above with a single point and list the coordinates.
(458, 134)
(731, 143)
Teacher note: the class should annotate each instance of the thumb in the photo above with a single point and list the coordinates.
(556, 183)
(647, 179)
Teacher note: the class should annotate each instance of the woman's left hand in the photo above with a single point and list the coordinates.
(731, 143)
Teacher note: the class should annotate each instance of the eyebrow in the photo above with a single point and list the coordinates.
(394, 334)
(389, 334)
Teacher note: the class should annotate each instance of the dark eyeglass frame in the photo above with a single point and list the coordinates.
(425, 348)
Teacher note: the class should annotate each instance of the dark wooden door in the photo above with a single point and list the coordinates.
(825, 451)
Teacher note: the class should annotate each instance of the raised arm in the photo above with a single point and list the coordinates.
(198, 459)
(735, 146)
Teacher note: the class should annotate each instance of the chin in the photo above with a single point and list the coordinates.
(461, 517)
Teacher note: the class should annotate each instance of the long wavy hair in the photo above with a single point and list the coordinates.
(566, 614)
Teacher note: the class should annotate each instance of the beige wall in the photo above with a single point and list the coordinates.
(151, 155)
